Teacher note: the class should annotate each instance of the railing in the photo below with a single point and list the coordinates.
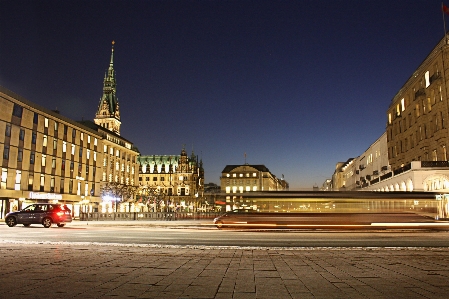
(403, 169)
(434, 163)
(136, 216)
(420, 92)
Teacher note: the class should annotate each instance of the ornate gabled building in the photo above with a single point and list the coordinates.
(108, 113)
(179, 178)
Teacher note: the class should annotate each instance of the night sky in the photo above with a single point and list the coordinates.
(296, 85)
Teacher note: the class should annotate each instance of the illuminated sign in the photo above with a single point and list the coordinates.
(49, 196)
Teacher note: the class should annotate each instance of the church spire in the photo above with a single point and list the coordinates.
(108, 113)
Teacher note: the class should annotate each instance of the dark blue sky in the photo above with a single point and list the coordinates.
(296, 85)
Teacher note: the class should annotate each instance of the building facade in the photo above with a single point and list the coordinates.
(46, 157)
(50, 158)
(119, 169)
(171, 182)
(250, 178)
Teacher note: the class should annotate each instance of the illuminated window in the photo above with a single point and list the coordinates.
(20, 155)
(44, 158)
(55, 144)
(427, 78)
(64, 146)
(234, 175)
(56, 125)
(254, 174)
(82, 136)
(53, 163)
(88, 154)
(46, 122)
(18, 179)
(4, 177)
(88, 139)
(95, 141)
(73, 149)
(95, 156)
(44, 142)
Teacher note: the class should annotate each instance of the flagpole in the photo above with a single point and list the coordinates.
(444, 22)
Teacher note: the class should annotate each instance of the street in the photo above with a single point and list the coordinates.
(180, 233)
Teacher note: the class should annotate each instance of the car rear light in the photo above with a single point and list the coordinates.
(60, 214)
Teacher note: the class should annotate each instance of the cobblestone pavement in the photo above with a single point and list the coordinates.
(51, 270)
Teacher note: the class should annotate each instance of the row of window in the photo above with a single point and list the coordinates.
(125, 156)
(18, 111)
(81, 188)
(241, 175)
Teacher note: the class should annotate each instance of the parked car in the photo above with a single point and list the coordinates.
(41, 213)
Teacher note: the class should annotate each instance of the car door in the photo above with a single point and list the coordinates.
(39, 213)
(26, 215)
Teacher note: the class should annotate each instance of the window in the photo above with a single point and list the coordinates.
(154, 179)
(33, 137)
(88, 154)
(70, 186)
(73, 149)
(46, 122)
(73, 133)
(56, 125)
(64, 146)
(65, 129)
(72, 165)
(82, 136)
(6, 152)
(88, 139)
(35, 118)
(95, 142)
(4, 177)
(32, 158)
(87, 170)
(53, 163)
(95, 156)
(20, 155)
(30, 182)
(44, 142)
(22, 134)
(55, 144)
(44, 158)
(17, 110)
(81, 152)
(52, 184)
(63, 165)
(61, 186)
(18, 179)
(42, 182)
(8, 130)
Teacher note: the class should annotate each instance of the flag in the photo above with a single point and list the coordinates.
(445, 9)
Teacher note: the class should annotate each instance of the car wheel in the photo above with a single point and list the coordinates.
(46, 222)
(27, 224)
(219, 224)
(11, 221)
(60, 224)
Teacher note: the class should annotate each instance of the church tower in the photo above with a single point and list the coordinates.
(108, 114)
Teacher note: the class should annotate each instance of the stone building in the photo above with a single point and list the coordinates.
(50, 158)
(417, 128)
(176, 180)
(248, 178)
(46, 157)
(119, 164)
